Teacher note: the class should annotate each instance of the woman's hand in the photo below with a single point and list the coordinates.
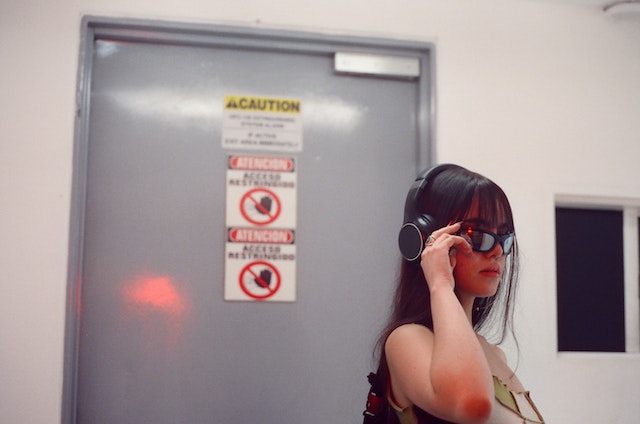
(439, 256)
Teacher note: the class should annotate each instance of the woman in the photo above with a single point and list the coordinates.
(434, 366)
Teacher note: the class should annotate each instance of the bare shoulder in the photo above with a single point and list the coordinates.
(409, 333)
(492, 349)
(499, 352)
(408, 343)
(498, 363)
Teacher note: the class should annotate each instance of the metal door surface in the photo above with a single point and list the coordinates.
(150, 337)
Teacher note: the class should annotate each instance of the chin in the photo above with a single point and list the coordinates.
(490, 291)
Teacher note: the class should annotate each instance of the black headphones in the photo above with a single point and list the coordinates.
(417, 225)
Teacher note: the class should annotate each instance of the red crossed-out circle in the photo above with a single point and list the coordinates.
(254, 211)
(251, 280)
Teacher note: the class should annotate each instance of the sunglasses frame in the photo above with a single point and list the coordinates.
(496, 239)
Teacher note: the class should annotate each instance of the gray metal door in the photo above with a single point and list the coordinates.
(150, 337)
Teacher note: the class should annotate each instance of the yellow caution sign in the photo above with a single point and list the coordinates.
(261, 104)
(262, 123)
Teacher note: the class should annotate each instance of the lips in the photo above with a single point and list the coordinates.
(491, 271)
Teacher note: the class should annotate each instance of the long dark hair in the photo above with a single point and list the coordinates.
(449, 197)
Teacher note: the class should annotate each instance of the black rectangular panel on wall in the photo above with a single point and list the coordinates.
(590, 277)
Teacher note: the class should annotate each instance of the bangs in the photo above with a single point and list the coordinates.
(493, 207)
(457, 193)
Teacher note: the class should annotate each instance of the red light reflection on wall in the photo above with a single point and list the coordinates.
(156, 292)
(156, 308)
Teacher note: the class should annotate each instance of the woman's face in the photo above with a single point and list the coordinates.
(478, 274)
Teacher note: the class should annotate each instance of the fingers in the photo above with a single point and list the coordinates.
(439, 256)
(446, 237)
(449, 229)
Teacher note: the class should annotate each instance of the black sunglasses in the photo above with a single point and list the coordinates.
(485, 241)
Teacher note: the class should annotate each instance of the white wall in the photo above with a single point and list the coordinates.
(544, 98)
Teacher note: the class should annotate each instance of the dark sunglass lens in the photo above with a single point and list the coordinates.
(507, 244)
(488, 241)
(480, 241)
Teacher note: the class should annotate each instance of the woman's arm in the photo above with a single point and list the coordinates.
(444, 372)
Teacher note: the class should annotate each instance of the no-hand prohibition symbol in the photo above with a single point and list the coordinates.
(260, 280)
(260, 206)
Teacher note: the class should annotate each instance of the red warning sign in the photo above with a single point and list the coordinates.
(260, 280)
(260, 206)
(262, 163)
(261, 235)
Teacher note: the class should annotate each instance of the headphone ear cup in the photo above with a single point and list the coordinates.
(410, 241)
(412, 236)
